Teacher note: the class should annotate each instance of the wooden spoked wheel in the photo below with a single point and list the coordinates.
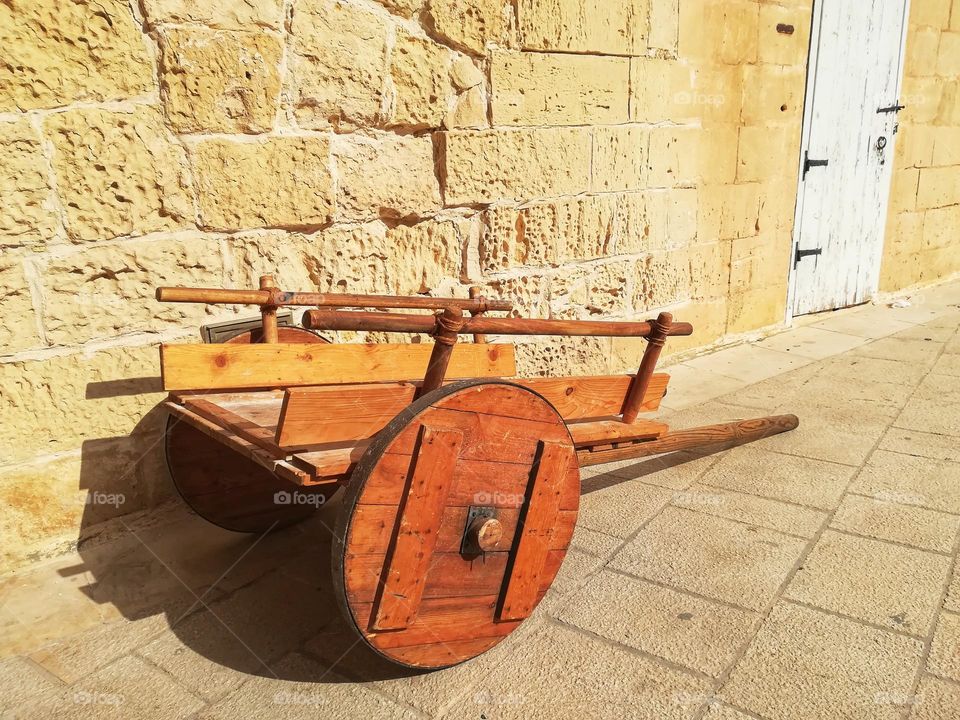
(228, 489)
(455, 522)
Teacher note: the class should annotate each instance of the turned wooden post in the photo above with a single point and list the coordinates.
(449, 324)
(268, 313)
(660, 328)
(475, 295)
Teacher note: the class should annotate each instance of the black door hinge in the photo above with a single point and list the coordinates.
(891, 108)
(808, 163)
(800, 254)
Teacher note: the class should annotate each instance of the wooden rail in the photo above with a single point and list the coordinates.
(396, 322)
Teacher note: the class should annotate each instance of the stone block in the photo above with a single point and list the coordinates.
(56, 54)
(108, 290)
(559, 89)
(946, 146)
(119, 172)
(485, 166)
(922, 97)
(586, 26)
(903, 190)
(922, 46)
(469, 26)
(757, 308)
(19, 330)
(560, 356)
(729, 211)
(938, 187)
(661, 279)
(338, 64)
(29, 212)
(59, 403)
(420, 71)
(469, 110)
(668, 90)
(772, 94)
(719, 30)
(621, 158)
(941, 227)
(227, 14)
(757, 262)
(220, 81)
(547, 234)
(271, 182)
(779, 48)
(931, 13)
(709, 270)
(718, 154)
(765, 153)
(664, 25)
(948, 56)
(915, 146)
(406, 8)
(778, 202)
(674, 157)
(385, 176)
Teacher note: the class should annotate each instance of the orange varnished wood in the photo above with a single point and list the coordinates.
(602, 432)
(411, 551)
(225, 366)
(503, 426)
(539, 516)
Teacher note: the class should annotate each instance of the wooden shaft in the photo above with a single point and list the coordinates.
(475, 294)
(396, 322)
(660, 329)
(739, 433)
(281, 298)
(268, 313)
(448, 324)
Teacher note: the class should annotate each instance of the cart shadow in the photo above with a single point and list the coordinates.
(239, 601)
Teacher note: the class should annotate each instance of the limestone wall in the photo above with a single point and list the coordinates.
(923, 223)
(587, 158)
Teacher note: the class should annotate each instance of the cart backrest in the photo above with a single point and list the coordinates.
(281, 365)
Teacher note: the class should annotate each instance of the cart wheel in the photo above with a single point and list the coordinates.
(285, 334)
(455, 522)
(226, 488)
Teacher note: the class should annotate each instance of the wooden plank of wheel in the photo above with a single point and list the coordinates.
(455, 522)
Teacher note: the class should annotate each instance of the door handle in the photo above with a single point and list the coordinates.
(891, 108)
(808, 163)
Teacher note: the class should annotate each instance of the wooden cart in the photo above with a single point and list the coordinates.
(461, 482)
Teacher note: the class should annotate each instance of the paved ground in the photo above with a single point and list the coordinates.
(811, 575)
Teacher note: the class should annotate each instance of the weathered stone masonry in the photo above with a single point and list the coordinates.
(587, 158)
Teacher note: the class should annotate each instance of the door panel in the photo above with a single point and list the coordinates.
(855, 70)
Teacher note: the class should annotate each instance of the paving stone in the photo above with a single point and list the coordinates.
(128, 688)
(948, 364)
(859, 370)
(304, 688)
(749, 363)
(805, 481)
(883, 520)
(944, 657)
(936, 699)
(807, 665)
(750, 509)
(884, 584)
(923, 352)
(81, 654)
(931, 415)
(811, 342)
(710, 556)
(212, 652)
(681, 628)
(691, 385)
(927, 331)
(923, 444)
(952, 601)
(719, 711)
(611, 681)
(774, 392)
(593, 542)
(621, 509)
(868, 323)
(819, 440)
(676, 470)
(20, 682)
(911, 480)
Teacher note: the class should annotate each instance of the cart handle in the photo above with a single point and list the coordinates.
(275, 297)
(396, 322)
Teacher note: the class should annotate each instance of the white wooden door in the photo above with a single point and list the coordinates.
(846, 155)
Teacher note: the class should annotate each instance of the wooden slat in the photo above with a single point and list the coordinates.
(605, 432)
(333, 413)
(407, 562)
(539, 519)
(187, 367)
(249, 431)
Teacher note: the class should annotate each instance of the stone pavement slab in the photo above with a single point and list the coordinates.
(911, 480)
(945, 651)
(883, 520)
(936, 699)
(807, 665)
(879, 582)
